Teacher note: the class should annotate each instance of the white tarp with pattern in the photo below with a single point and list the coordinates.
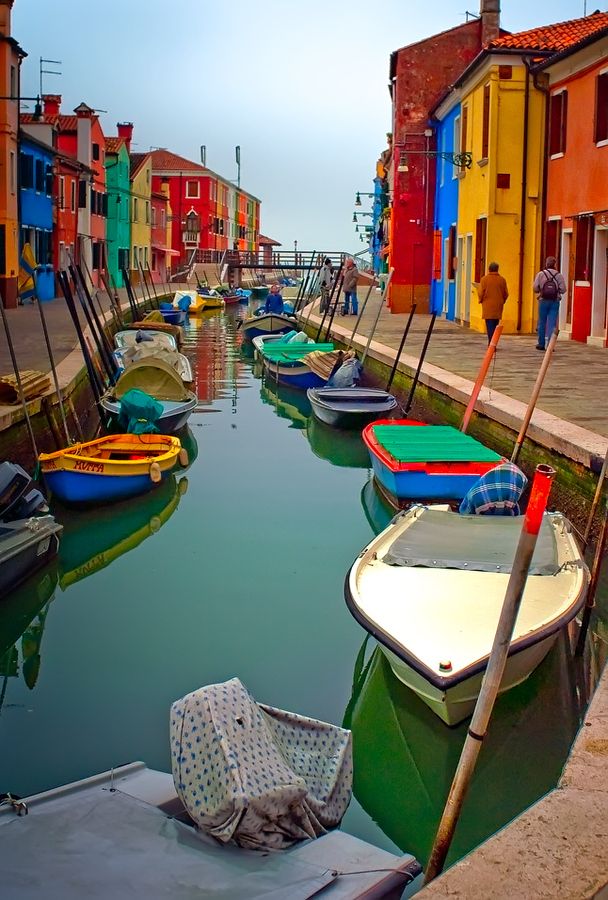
(261, 777)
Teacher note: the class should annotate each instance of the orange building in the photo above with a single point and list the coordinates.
(576, 214)
(11, 55)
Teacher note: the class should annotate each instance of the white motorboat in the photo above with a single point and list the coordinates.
(430, 589)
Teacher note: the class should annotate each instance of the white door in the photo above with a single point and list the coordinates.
(459, 276)
(468, 266)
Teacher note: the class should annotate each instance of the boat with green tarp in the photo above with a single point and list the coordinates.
(284, 363)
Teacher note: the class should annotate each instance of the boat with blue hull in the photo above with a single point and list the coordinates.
(110, 468)
(415, 461)
(285, 363)
(271, 323)
(159, 380)
(172, 315)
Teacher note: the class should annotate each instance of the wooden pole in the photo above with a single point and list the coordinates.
(11, 350)
(427, 338)
(593, 583)
(51, 361)
(331, 308)
(401, 346)
(153, 286)
(492, 678)
(131, 296)
(534, 398)
(101, 350)
(596, 499)
(385, 287)
(361, 311)
(481, 377)
(99, 322)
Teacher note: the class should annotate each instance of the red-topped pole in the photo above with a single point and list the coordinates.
(483, 371)
(492, 678)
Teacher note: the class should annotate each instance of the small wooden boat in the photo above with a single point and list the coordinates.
(415, 461)
(156, 378)
(110, 468)
(199, 302)
(127, 356)
(129, 338)
(351, 407)
(155, 322)
(172, 315)
(25, 546)
(210, 301)
(285, 363)
(269, 323)
(430, 589)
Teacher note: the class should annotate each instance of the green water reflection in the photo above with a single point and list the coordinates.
(242, 574)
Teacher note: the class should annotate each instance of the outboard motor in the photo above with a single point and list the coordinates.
(18, 497)
(32, 504)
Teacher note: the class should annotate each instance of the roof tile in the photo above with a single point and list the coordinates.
(166, 161)
(553, 38)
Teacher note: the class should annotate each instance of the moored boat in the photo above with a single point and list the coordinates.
(128, 338)
(351, 407)
(155, 322)
(415, 461)
(25, 546)
(285, 363)
(110, 468)
(173, 315)
(157, 379)
(268, 323)
(430, 589)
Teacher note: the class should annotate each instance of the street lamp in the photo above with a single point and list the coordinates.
(463, 160)
(360, 194)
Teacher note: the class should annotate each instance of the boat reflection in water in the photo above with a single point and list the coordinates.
(405, 757)
(340, 448)
(23, 616)
(288, 403)
(377, 509)
(95, 538)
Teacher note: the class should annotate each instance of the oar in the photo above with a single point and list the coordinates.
(385, 288)
(427, 338)
(337, 285)
(11, 350)
(481, 377)
(492, 678)
(401, 346)
(533, 399)
(331, 309)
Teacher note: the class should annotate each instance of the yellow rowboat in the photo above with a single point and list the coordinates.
(199, 303)
(111, 468)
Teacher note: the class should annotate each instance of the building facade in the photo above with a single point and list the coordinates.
(118, 227)
(162, 254)
(36, 184)
(443, 284)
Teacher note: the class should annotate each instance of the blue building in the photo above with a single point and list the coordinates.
(36, 208)
(443, 284)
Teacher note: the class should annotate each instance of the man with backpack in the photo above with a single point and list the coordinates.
(549, 285)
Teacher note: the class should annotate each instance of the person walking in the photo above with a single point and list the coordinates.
(349, 286)
(493, 293)
(549, 285)
(326, 277)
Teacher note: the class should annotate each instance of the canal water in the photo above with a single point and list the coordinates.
(236, 566)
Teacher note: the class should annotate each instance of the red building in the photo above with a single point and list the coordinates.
(419, 75)
(208, 212)
(162, 252)
(266, 245)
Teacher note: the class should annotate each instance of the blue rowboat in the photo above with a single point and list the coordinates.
(415, 461)
(295, 375)
(173, 316)
(285, 363)
(110, 468)
(271, 323)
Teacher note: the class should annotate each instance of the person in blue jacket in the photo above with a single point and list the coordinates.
(274, 301)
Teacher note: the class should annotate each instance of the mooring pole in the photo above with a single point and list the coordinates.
(101, 350)
(333, 311)
(337, 285)
(594, 581)
(427, 338)
(361, 311)
(385, 288)
(51, 360)
(534, 398)
(481, 377)
(153, 286)
(11, 350)
(596, 499)
(492, 678)
(130, 296)
(401, 346)
(96, 386)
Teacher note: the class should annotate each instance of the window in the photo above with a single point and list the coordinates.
(558, 114)
(26, 170)
(584, 235)
(73, 195)
(82, 194)
(463, 133)
(13, 179)
(485, 125)
(192, 190)
(437, 240)
(104, 204)
(153, 217)
(2, 249)
(48, 180)
(452, 261)
(601, 108)
(13, 83)
(147, 212)
(39, 176)
(135, 212)
(553, 234)
(123, 258)
(480, 248)
(145, 258)
(61, 192)
(163, 217)
(455, 168)
(95, 152)
(96, 255)
(135, 257)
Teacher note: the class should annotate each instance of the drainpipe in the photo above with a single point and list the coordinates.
(524, 191)
(544, 89)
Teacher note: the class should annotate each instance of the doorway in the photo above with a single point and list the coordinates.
(468, 266)
(458, 274)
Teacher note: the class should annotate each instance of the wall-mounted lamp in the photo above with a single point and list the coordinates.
(463, 160)
(403, 166)
(355, 217)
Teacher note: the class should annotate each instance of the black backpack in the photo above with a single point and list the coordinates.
(550, 289)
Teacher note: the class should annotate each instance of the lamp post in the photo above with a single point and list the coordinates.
(360, 194)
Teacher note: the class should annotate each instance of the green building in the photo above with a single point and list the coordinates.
(117, 165)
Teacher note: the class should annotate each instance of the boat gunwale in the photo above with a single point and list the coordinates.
(69, 453)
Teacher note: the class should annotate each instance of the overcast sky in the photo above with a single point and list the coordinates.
(301, 86)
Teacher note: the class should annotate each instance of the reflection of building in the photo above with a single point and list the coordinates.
(208, 211)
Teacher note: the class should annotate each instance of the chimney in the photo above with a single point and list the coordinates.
(5, 18)
(84, 112)
(490, 21)
(52, 104)
(125, 131)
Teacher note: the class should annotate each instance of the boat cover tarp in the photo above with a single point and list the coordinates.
(432, 443)
(279, 352)
(440, 539)
(106, 844)
(143, 337)
(139, 413)
(325, 364)
(155, 377)
(261, 777)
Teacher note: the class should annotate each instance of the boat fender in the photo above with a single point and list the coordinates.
(182, 486)
(155, 473)
(155, 524)
(183, 457)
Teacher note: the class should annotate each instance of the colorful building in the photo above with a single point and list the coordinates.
(162, 253)
(443, 284)
(118, 187)
(576, 204)
(419, 75)
(36, 209)
(11, 55)
(208, 212)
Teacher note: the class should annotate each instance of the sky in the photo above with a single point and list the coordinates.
(300, 86)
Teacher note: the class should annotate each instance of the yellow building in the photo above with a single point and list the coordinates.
(141, 212)
(501, 123)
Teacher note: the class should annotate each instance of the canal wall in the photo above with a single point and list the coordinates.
(557, 847)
